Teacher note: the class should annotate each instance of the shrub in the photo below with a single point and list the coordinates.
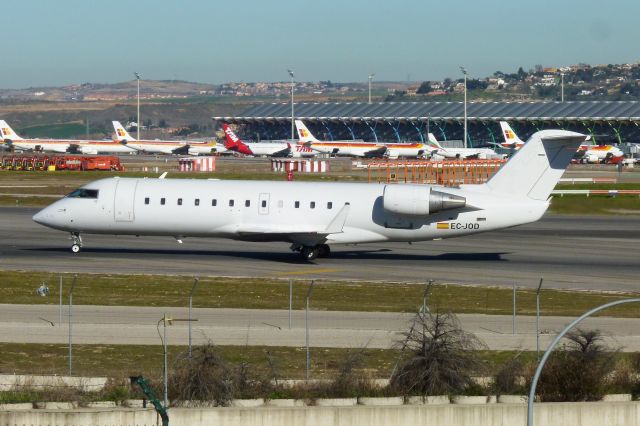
(441, 357)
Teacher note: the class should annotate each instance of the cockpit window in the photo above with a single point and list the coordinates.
(84, 193)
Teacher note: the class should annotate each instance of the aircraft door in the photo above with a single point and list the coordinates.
(263, 203)
(124, 198)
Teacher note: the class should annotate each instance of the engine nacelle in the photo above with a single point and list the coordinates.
(416, 200)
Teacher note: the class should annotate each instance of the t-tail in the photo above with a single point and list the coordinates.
(7, 132)
(304, 134)
(121, 134)
(511, 140)
(535, 169)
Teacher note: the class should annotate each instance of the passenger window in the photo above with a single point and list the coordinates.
(297, 204)
(146, 200)
(179, 201)
(280, 204)
(312, 204)
(247, 203)
(162, 200)
(264, 203)
(84, 193)
(231, 203)
(197, 202)
(329, 205)
(214, 202)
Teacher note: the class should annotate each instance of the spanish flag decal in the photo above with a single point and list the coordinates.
(442, 225)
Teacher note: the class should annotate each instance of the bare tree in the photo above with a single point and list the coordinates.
(441, 356)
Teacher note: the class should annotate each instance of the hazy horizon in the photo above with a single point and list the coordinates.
(74, 42)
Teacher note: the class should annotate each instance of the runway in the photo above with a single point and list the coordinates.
(586, 252)
(264, 327)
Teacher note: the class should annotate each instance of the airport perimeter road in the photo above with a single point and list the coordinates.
(568, 251)
(137, 325)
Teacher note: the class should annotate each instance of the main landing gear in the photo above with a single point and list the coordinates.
(309, 253)
(76, 242)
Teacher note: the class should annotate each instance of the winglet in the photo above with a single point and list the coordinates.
(336, 225)
(164, 175)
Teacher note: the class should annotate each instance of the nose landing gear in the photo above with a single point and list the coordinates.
(76, 242)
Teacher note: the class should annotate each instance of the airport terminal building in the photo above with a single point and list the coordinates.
(607, 122)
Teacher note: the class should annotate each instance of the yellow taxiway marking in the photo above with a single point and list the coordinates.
(309, 271)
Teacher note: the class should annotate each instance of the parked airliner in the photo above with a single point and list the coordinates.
(314, 215)
(165, 147)
(587, 152)
(438, 150)
(82, 146)
(269, 149)
(340, 148)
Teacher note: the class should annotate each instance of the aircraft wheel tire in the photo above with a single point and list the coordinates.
(75, 248)
(309, 253)
(324, 250)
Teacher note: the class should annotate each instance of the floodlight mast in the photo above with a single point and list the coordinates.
(292, 115)
(464, 71)
(138, 118)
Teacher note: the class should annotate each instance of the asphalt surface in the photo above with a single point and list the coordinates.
(568, 251)
(140, 326)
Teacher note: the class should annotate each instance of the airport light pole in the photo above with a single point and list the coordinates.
(464, 71)
(138, 119)
(292, 86)
(562, 87)
(370, 78)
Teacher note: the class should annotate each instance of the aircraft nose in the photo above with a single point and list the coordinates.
(40, 217)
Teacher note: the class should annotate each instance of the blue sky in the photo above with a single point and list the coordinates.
(71, 41)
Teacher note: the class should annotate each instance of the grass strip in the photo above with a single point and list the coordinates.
(270, 293)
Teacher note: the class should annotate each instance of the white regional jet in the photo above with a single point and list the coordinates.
(438, 150)
(313, 215)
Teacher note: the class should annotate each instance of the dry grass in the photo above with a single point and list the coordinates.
(270, 293)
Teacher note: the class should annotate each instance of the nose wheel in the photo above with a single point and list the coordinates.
(76, 245)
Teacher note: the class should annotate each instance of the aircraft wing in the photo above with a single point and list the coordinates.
(283, 152)
(295, 232)
(376, 153)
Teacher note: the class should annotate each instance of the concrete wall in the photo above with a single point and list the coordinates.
(549, 414)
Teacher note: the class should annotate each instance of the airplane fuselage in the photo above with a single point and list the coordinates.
(295, 212)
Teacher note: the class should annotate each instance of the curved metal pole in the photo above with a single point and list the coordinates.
(418, 129)
(375, 136)
(353, 136)
(536, 376)
(395, 130)
(328, 130)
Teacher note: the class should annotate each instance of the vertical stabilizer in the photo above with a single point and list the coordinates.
(121, 133)
(433, 141)
(7, 132)
(536, 168)
(510, 137)
(303, 133)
